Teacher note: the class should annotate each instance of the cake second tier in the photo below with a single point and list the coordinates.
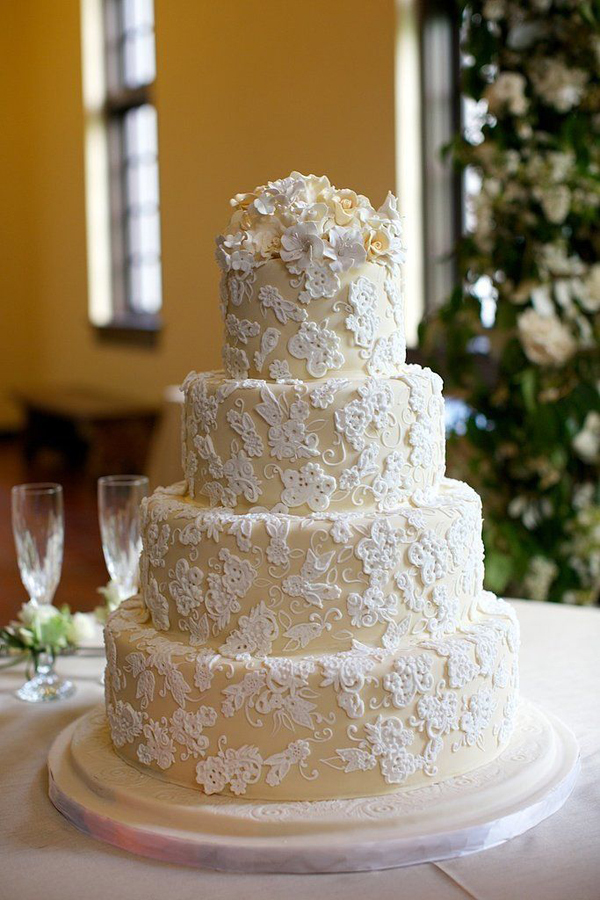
(305, 447)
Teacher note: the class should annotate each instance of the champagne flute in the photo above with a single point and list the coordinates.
(119, 498)
(38, 528)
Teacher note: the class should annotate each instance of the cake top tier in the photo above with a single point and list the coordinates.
(311, 282)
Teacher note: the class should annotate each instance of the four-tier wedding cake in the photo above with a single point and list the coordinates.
(312, 622)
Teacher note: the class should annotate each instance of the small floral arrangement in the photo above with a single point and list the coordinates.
(317, 230)
(110, 593)
(43, 627)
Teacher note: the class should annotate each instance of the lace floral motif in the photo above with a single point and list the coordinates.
(241, 478)
(307, 584)
(236, 768)
(295, 754)
(422, 438)
(187, 727)
(159, 746)
(242, 423)
(430, 555)
(371, 607)
(124, 721)
(394, 295)
(279, 370)
(284, 310)
(318, 346)
(240, 768)
(381, 550)
(288, 435)
(185, 587)
(373, 407)
(241, 329)
(308, 486)
(278, 552)
(477, 715)
(385, 743)
(363, 320)
(227, 587)
(347, 673)
(280, 690)
(255, 633)
(235, 362)
(323, 396)
(157, 605)
(319, 281)
(411, 674)
(268, 343)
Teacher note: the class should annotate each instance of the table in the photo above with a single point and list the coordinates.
(42, 856)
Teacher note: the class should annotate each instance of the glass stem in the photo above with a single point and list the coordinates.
(44, 662)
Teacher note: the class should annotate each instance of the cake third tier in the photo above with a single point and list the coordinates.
(263, 583)
(304, 447)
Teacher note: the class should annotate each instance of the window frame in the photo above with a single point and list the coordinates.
(106, 163)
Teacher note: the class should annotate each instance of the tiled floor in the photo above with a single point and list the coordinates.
(83, 566)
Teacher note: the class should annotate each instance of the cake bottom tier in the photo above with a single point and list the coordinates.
(362, 722)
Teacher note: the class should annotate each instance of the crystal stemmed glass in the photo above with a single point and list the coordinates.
(119, 498)
(38, 527)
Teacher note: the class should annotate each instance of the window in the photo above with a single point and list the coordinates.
(427, 116)
(123, 213)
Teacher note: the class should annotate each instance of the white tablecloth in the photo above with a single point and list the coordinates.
(42, 856)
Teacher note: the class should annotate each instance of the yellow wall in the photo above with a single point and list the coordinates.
(246, 91)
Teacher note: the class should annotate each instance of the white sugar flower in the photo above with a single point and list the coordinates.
(300, 245)
(264, 238)
(346, 249)
(546, 341)
(348, 206)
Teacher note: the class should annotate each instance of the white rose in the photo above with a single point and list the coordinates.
(557, 84)
(345, 206)
(82, 629)
(508, 90)
(587, 443)
(555, 201)
(265, 237)
(546, 341)
(33, 613)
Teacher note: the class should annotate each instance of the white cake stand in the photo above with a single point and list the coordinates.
(113, 802)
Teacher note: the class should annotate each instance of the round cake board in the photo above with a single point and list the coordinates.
(113, 802)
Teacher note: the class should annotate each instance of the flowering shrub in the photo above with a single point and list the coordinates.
(532, 438)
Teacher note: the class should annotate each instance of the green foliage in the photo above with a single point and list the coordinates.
(532, 439)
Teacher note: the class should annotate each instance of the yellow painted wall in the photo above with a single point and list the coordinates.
(246, 91)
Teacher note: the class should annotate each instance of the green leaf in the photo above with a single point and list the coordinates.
(498, 571)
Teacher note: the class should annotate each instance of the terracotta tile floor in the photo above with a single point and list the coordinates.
(83, 566)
